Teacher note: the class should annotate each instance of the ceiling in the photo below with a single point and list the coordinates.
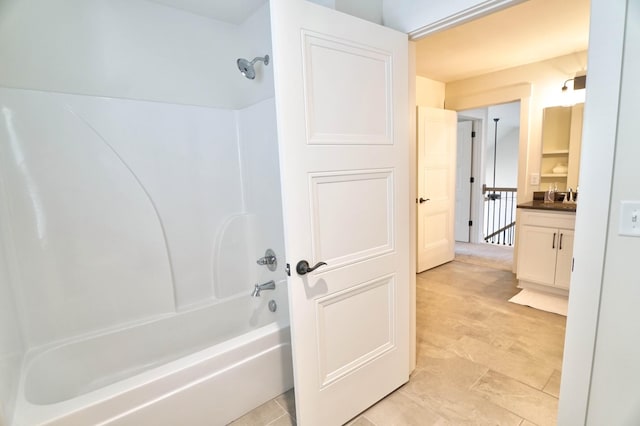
(231, 11)
(531, 31)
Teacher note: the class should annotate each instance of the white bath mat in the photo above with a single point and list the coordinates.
(543, 301)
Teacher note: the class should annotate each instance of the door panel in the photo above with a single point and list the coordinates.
(341, 100)
(436, 182)
(374, 301)
(537, 254)
(369, 225)
(338, 66)
(565, 258)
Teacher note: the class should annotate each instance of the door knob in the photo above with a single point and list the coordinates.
(303, 267)
(423, 200)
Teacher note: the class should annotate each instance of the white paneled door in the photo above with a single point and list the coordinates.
(341, 98)
(436, 186)
(463, 181)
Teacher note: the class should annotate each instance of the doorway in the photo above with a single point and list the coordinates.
(487, 174)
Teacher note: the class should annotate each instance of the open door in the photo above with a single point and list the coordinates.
(341, 98)
(436, 186)
(464, 159)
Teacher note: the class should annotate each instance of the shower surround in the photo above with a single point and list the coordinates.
(118, 214)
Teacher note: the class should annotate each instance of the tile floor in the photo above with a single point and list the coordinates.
(480, 359)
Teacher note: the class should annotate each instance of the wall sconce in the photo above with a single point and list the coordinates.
(576, 94)
(579, 82)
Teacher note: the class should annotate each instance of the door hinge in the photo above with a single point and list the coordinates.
(473, 134)
(573, 260)
(472, 179)
(470, 223)
(287, 269)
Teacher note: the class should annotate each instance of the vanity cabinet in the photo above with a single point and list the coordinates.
(545, 250)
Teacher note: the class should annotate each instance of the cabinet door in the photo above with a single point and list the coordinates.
(537, 254)
(565, 258)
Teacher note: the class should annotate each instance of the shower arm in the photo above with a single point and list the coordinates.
(264, 59)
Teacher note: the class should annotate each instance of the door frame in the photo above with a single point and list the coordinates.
(519, 92)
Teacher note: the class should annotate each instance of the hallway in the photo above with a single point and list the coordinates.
(480, 359)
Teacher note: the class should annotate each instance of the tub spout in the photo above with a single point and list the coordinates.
(270, 285)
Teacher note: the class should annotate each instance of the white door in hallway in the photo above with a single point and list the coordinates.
(463, 183)
(342, 107)
(436, 186)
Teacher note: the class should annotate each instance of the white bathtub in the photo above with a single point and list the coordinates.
(183, 369)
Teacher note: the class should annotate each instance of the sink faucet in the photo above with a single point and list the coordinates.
(269, 285)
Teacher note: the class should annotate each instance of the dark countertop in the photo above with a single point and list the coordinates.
(558, 206)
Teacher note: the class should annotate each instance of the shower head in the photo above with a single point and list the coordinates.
(246, 67)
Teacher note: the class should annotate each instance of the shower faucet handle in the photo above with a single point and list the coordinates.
(303, 267)
(269, 260)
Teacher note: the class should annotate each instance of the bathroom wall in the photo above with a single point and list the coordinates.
(261, 182)
(133, 49)
(11, 345)
(115, 206)
(120, 156)
(370, 10)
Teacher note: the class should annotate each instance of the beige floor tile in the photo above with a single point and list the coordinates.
(449, 368)
(553, 385)
(453, 400)
(545, 348)
(361, 421)
(285, 420)
(288, 402)
(425, 350)
(526, 369)
(261, 415)
(398, 409)
(503, 342)
(525, 401)
(526, 422)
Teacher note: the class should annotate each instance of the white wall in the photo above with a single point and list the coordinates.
(11, 345)
(410, 15)
(114, 205)
(370, 10)
(598, 291)
(133, 49)
(540, 84)
(508, 140)
(261, 182)
(429, 92)
(614, 397)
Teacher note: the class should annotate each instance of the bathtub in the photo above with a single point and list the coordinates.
(186, 368)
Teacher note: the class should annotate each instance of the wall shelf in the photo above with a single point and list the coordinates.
(561, 139)
(556, 152)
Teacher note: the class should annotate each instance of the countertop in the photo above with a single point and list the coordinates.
(558, 206)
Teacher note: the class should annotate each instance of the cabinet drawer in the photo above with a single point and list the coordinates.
(548, 220)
